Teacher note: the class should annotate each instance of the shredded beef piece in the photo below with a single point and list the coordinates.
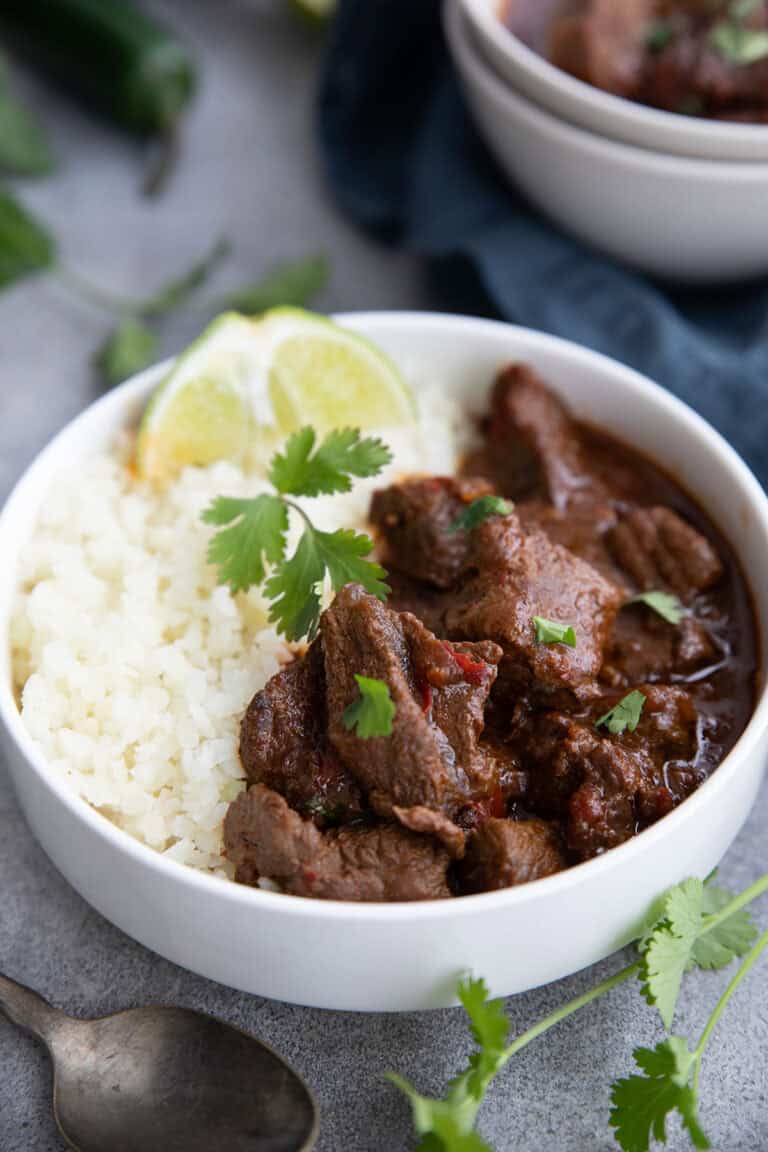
(607, 787)
(532, 448)
(514, 576)
(502, 853)
(283, 743)
(644, 647)
(414, 521)
(659, 550)
(431, 759)
(264, 837)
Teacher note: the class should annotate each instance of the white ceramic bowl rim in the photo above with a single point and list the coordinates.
(599, 147)
(243, 896)
(511, 45)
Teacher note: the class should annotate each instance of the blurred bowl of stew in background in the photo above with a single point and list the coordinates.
(515, 37)
(675, 217)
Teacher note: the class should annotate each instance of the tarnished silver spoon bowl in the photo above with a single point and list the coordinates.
(165, 1080)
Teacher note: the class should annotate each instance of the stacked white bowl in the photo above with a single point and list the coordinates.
(677, 196)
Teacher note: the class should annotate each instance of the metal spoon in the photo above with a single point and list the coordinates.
(165, 1080)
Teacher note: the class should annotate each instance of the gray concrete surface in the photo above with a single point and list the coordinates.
(249, 169)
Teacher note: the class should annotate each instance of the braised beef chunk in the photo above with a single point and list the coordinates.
(658, 550)
(501, 853)
(264, 837)
(645, 647)
(671, 54)
(514, 576)
(532, 448)
(431, 759)
(499, 767)
(414, 521)
(283, 743)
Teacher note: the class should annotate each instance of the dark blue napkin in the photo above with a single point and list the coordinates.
(405, 163)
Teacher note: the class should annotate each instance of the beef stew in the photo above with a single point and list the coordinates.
(563, 674)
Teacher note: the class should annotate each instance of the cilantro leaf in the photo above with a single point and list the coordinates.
(658, 34)
(641, 1104)
(127, 349)
(663, 603)
(293, 284)
(256, 536)
(666, 949)
(738, 44)
(733, 937)
(550, 632)
(25, 246)
(480, 510)
(447, 1125)
(24, 149)
(624, 716)
(342, 454)
(177, 291)
(293, 587)
(680, 940)
(373, 711)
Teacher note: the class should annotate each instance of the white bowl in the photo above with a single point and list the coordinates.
(600, 112)
(407, 956)
(670, 216)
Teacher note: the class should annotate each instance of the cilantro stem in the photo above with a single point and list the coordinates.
(748, 962)
(746, 897)
(569, 1009)
(297, 508)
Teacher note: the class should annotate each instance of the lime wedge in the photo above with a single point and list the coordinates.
(246, 383)
(203, 410)
(327, 376)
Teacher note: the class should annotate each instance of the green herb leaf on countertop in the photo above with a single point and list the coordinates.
(641, 1104)
(292, 284)
(742, 9)
(294, 586)
(738, 44)
(25, 246)
(177, 291)
(479, 511)
(624, 716)
(298, 471)
(24, 148)
(550, 632)
(373, 711)
(664, 604)
(127, 349)
(255, 537)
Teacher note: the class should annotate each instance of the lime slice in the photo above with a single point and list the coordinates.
(203, 409)
(245, 383)
(327, 376)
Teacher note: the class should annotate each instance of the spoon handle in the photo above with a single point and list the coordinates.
(24, 1007)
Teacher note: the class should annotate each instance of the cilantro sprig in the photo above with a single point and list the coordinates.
(372, 712)
(253, 533)
(695, 925)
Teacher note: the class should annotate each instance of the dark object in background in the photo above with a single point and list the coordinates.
(114, 57)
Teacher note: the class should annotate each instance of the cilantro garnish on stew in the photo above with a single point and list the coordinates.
(550, 632)
(253, 531)
(664, 604)
(480, 510)
(372, 713)
(624, 716)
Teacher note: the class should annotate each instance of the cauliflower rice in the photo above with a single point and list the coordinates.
(133, 667)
